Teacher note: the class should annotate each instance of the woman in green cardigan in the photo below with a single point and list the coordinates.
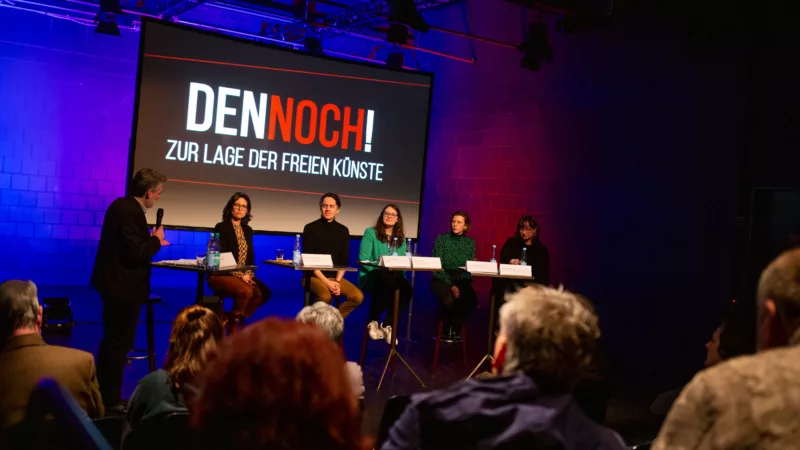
(453, 286)
(380, 282)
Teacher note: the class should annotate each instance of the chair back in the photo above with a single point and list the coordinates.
(55, 421)
(111, 428)
(391, 412)
(170, 433)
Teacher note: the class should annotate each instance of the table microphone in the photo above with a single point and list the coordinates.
(159, 216)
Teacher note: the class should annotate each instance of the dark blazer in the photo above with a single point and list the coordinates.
(122, 266)
(25, 360)
(228, 242)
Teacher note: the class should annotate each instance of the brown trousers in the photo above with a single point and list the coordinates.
(246, 297)
(353, 295)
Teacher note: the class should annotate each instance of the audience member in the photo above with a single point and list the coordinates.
(277, 385)
(729, 340)
(25, 359)
(330, 320)
(750, 401)
(546, 342)
(195, 334)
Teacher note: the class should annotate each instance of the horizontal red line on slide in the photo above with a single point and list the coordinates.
(278, 69)
(291, 191)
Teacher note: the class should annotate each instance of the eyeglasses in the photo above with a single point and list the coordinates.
(239, 206)
(390, 215)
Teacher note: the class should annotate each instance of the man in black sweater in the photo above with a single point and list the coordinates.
(326, 236)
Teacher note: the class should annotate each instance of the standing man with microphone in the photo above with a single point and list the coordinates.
(121, 276)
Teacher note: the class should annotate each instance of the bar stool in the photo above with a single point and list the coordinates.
(236, 322)
(439, 326)
(150, 353)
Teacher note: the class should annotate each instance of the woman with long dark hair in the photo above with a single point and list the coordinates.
(236, 236)
(525, 243)
(380, 282)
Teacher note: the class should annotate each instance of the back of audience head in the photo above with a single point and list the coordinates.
(278, 384)
(324, 316)
(549, 334)
(779, 302)
(20, 312)
(194, 336)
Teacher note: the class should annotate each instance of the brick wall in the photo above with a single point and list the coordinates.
(625, 151)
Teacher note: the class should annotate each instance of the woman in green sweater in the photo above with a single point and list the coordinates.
(380, 282)
(453, 286)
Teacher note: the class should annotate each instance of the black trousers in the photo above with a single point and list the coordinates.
(386, 283)
(120, 319)
(451, 309)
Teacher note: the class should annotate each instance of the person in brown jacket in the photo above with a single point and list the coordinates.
(25, 359)
(752, 401)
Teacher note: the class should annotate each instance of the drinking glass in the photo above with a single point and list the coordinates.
(201, 259)
(279, 254)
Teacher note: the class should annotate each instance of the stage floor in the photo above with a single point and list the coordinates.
(627, 412)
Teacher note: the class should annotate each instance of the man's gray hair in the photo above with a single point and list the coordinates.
(551, 335)
(780, 282)
(19, 306)
(324, 316)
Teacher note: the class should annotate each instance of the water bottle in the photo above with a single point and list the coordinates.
(394, 247)
(494, 248)
(408, 248)
(212, 252)
(524, 260)
(296, 251)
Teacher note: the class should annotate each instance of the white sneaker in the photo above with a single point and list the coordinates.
(387, 331)
(375, 332)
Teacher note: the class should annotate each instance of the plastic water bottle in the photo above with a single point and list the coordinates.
(524, 260)
(494, 248)
(394, 247)
(408, 249)
(212, 252)
(296, 251)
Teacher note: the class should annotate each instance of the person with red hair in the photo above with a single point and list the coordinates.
(278, 384)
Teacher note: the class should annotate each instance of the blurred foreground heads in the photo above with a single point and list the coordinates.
(277, 385)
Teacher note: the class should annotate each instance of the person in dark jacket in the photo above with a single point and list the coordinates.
(121, 275)
(536, 255)
(236, 236)
(546, 344)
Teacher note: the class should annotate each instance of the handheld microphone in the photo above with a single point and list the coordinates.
(159, 216)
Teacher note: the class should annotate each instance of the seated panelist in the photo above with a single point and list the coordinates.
(326, 236)
(236, 236)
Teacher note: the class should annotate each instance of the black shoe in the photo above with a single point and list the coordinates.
(119, 409)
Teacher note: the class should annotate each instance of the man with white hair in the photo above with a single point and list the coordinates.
(331, 321)
(25, 359)
(546, 343)
(752, 401)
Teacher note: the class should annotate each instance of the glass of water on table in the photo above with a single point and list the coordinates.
(279, 254)
(201, 259)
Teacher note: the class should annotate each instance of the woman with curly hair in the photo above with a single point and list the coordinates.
(279, 384)
(236, 236)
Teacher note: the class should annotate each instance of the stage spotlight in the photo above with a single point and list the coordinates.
(536, 47)
(405, 12)
(312, 45)
(57, 315)
(397, 33)
(395, 60)
(106, 20)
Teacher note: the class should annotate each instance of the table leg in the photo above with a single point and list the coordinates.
(198, 299)
(489, 340)
(393, 349)
(307, 295)
(410, 308)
